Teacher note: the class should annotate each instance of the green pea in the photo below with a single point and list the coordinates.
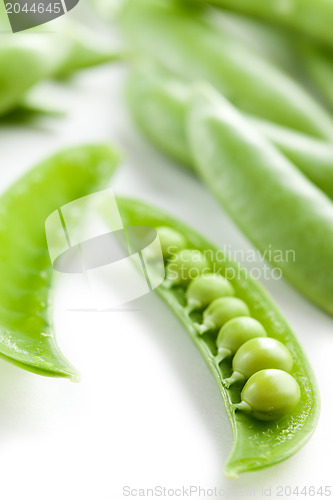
(220, 311)
(269, 394)
(259, 354)
(235, 333)
(186, 265)
(206, 288)
(170, 240)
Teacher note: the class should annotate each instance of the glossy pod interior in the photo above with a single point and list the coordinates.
(257, 443)
(26, 334)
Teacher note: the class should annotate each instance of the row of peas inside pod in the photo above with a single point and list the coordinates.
(263, 363)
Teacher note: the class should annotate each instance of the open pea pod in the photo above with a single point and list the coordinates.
(257, 443)
(26, 333)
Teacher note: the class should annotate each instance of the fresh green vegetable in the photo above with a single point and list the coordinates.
(270, 394)
(257, 444)
(220, 311)
(159, 102)
(206, 288)
(318, 64)
(170, 240)
(28, 58)
(235, 333)
(26, 334)
(197, 51)
(272, 43)
(83, 50)
(312, 156)
(24, 62)
(305, 16)
(185, 265)
(257, 354)
(288, 219)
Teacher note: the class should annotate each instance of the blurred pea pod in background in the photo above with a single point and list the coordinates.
(298, 36)
(30, 57)
(318, 64)
(274, 205)
(183, 41)
(158, 102)
(308, 17)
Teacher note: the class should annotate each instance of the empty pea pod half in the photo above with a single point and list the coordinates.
(26, 333)
(274, 414)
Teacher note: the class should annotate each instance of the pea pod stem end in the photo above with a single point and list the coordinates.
(243, 406)
(235, 377)
(204, 328)
(68, 372)
(222, 354)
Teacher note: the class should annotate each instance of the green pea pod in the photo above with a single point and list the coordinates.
(197, 51)
(286, 217)
(83, 50)
(313, 157)
(26, 334)
(159, 102)
(305, 16)
(29, 59)
(26, 59)
(318, 65)
(271, 43)
(29, 109)
(257, 444)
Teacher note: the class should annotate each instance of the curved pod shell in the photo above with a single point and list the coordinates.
(256, 444)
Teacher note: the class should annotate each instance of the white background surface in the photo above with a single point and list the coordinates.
(147, 411)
